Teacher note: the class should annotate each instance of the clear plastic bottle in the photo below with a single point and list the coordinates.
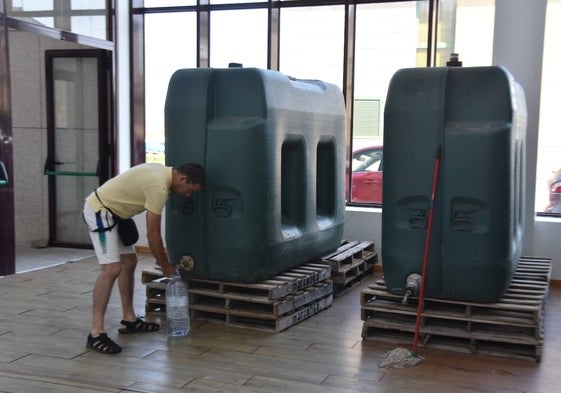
(177, 307)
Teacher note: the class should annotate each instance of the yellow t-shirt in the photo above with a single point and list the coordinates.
(143, 187)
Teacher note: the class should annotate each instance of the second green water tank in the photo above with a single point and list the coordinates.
(477, 116)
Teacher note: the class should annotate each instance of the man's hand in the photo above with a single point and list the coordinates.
(153, 234)
(168, 269)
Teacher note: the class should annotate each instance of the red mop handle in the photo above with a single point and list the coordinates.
(427, 246)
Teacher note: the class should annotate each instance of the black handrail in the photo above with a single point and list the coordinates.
(4, 175)
(51, 163)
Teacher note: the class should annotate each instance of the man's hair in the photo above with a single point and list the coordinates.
(194, 172)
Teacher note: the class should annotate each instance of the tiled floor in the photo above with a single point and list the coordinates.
(45, 317)
(29, 258)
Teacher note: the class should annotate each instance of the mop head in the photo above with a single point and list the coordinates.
(399, 358)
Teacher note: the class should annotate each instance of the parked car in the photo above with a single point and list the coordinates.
(554, 185)
(366, 175)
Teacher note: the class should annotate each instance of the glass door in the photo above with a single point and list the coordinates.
(79, 138)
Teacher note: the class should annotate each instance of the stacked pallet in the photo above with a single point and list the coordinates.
(274, 304)
(512, 327)
(350, 264)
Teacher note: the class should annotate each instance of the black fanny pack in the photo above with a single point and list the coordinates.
(126, 227)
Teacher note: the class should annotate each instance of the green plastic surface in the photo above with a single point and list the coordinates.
(273, 149)
(478, 116)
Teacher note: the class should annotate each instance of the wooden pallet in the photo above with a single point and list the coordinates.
(258, 307)
(276, 287)
(350, 264)
(259, 321)
(273, 304)
(513, 326)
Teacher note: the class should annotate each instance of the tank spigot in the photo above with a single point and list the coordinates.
(187, 262)
(412, 285)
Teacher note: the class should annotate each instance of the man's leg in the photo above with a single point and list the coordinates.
(101, 294)
(126, 285)
(131, 323)
(98, 339)
(105, 244)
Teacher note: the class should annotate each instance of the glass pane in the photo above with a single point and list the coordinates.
(49, 22)
(84, 17)
(31, 5)
(234, 1)
(170, 44)
(387, 39)
(76, 146)
(91, 26)
(87, 4)
(548, 176)
(76, 114)
(168, 3)
(312, 43)
(456, 33)
(238, 37)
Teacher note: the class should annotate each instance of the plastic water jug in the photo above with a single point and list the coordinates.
(177, 307)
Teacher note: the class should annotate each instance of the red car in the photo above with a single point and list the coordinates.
(366, 178)
(554, 185)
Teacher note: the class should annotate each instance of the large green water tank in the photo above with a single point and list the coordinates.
(273, 150)
(477, 116)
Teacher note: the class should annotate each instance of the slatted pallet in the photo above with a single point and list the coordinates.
(512, 327)
(260, 307)
(273, 304)
(350, 264)
(261, 312)
(261, 321)
(276, 287)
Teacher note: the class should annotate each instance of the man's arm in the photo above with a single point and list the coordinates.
(154, 235)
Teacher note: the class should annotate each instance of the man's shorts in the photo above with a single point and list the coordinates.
(107, 244)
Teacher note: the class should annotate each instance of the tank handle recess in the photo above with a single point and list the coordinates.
(462, 221)
(419, 220)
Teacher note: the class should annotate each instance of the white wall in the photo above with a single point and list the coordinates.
(518, 46)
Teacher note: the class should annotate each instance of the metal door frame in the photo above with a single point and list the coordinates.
(106, 160)
(7, 215)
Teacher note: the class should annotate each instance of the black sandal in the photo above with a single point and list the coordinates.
(103, 344)
(138, 326)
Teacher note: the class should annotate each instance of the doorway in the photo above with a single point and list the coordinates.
(79, 138)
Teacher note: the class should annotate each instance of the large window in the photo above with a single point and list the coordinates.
(170, 44)
(548, 176)
(357, 47)
(238, 37)
(85, 17)
(390, 36)
(387, 37)
(475, 45)
(312, 43)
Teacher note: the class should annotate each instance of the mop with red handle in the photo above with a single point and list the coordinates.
(401, 357)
